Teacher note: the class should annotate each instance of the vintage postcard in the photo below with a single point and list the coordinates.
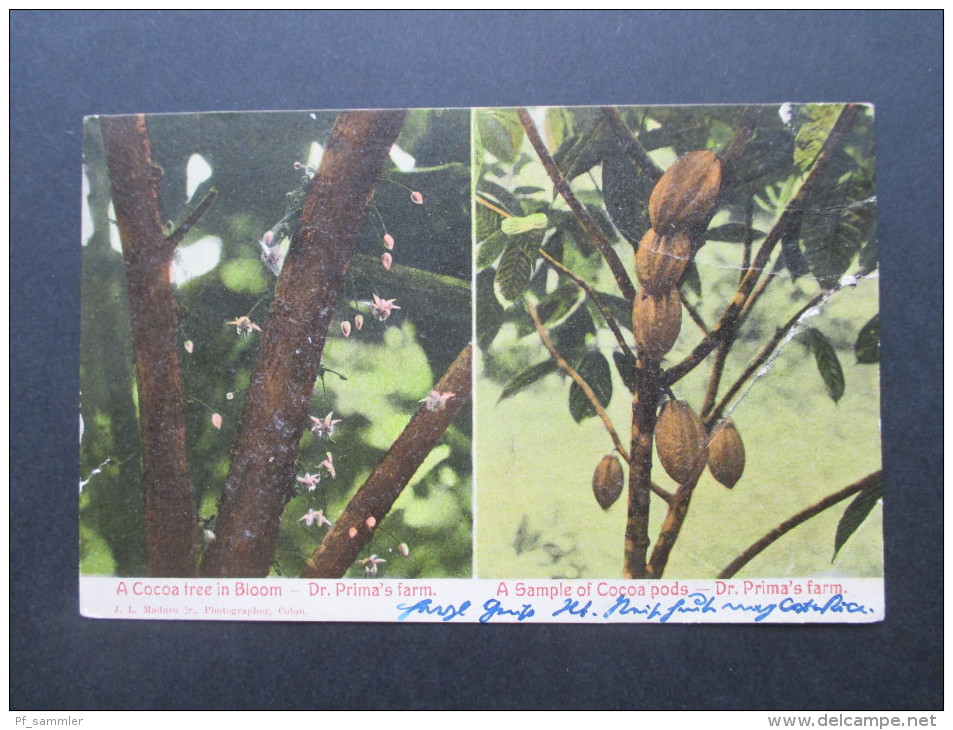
(573, 365)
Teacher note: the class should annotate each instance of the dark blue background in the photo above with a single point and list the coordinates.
(67, 65)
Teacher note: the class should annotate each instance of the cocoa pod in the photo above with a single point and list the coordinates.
(681, 442)
(726, 454)
(656, 322)
(661, 261)
(607, 481)
(684, 195)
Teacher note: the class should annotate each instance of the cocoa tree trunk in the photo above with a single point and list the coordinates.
(170, 521)
(262, 473)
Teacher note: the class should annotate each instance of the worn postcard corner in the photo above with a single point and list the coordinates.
(572, 365)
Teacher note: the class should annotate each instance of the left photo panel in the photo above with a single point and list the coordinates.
(275, 346)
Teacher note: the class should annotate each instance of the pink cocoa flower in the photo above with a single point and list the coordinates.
(244, 326)
(383, 307)
(188, 346)
(370, 564)
(312, 516)
(388, 242)
(417, 197)
(387, 261)
(436, 400)
(216, 420)
(329, 465)
(346, 328)
(359, 321)
(371, 522)
(323, 427)
(310, 481)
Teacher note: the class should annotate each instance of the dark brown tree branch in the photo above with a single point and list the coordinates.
(671, 527)
(368, 508)
(559, 182)
(789, 524)
(644, 408)
(170, 511)
(262, 472)
(725, 327)
(176, 236)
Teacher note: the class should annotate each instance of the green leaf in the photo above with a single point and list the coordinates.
(489, 313)
(732, 233)
(627, 371)
(491, 248)
(867, 347)
(626, 194)
(559, 302)
(834, 228)
(501, 133)
(867, 261)
(594, 369)
(585, 149)
(794, 260)
(499, 195)
(528, 377)
(514, 270)
(514, 226)
(691, 279)
(487, 222)
(817, 121)
(856, 512)
(828, 364)
(619, 308)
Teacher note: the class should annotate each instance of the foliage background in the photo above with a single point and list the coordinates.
(67, 65)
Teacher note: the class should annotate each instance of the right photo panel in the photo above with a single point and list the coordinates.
(676, 360)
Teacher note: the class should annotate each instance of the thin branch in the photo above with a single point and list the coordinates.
(693, 313)
(597, 300)
(759, 290)
(630, 143)
(671, 527)
(170, 510)
(176, 236)
(803, 516)
(605, 248)
(356, 526)
(730, 316)
(714, 413)
(663, 493)
(578, 380)
(487, 204)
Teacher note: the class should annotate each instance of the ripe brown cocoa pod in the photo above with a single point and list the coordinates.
(656, 322)
(607, 481)
(684, 195)
(661, 261)
(681, 442)
(726, 454)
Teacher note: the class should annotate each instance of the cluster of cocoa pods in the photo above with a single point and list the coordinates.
(684, 448)
(680, 202)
